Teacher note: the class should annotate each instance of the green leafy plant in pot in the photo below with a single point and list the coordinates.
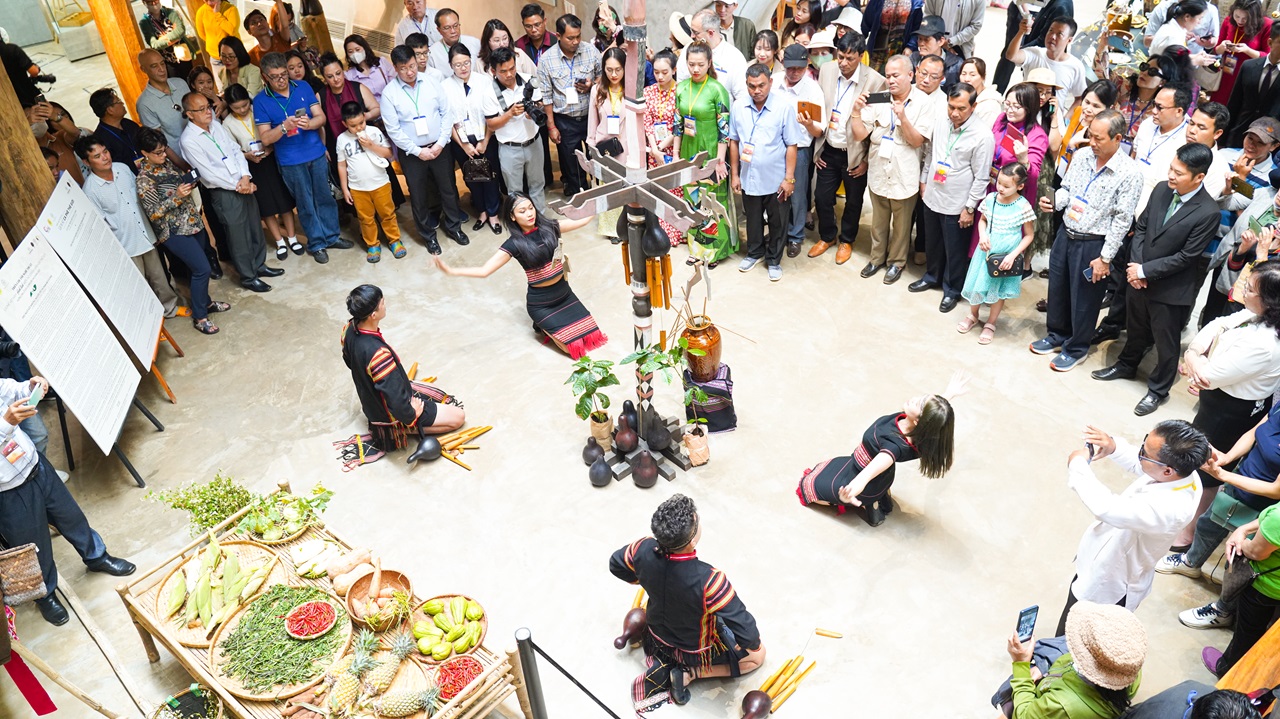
(667, 364)
(588, 378)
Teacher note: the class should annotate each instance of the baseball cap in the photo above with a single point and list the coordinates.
(796, 55)
(932, 26)
(1266, 128)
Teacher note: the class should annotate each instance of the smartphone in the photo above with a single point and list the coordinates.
(879, 98)
(1092, 450)
(1027, 622)
(190, 178)
(1088, 273)
(1242, 187)
(36, 395)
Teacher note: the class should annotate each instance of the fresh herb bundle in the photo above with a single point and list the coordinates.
(208, 503)
(277, 516)
(260, 654)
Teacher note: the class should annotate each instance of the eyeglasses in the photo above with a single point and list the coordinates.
(277, 76)
(202, 108)
(461, 65)
(533, 24)
(1164, 107)
(1151, 69)
(451, 28)
(1142, 453)
(1011, 105)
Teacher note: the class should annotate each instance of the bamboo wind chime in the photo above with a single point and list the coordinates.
(657, 272)
(455, 443)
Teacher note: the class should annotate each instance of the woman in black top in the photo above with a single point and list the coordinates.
(923, 430)
(535, 244)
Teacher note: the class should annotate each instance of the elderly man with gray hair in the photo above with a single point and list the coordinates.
(729, 62)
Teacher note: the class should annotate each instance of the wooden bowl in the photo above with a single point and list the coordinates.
(248, 553)
(360, 588)
(419, 615)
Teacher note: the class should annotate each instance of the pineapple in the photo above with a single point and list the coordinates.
(379, 680)
(366, 643)
(347, 686)
(402, 704)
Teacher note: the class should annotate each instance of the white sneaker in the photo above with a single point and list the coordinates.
(1210, 616)
(1177, 564)
(775, 273)
(748, 264)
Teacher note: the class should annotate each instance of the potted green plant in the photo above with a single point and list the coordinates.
(667, 363)
(695, 435)
(588, 378)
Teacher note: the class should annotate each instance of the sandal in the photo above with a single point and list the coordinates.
(691, 261)
(296, 247)
(966, 324)
(205, 326)
(373, 254)
(713, 265)
(397, 249)
(216, 306)
(988, 334)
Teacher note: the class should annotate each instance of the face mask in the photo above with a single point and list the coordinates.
(820, 60)
(40, 129)
(357, 57)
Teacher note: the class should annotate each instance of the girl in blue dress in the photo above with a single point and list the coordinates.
(1006, 225)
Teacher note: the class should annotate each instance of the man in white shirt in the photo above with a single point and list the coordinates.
(1117, 556)
(897, 130)
(449, 25)
(1055, 55)
(32, 498)
(1205, 30)
(113, 189)
(519, 154)
(418, 18)
(730, 64)
(216, 156)
(963, 20)
(797, 87)
(1159, 137)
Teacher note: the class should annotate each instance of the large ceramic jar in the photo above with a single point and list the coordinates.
(702, 335)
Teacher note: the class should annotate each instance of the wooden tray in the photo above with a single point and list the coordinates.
(247, 552)
(419, 615)
(233, 685)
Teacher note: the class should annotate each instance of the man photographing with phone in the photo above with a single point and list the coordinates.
(32, 497)
(1117, 556)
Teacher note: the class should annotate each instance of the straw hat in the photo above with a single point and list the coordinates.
(1107, 644)
(680, 28)
(1042, 76)
(823, 38)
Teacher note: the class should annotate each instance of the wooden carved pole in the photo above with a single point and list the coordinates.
(635, 33)
(25, 182)
(123, 41)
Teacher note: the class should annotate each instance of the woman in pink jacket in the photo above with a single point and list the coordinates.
(611, 125)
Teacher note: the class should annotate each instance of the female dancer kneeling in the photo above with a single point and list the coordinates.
(535, 244)
(923, 430)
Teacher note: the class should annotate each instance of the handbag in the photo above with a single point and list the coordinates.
(993, 265)
(612, 147)
(21, 580)
(477, 170)
(1230, 513)
(1207, 78)
(1239, 576)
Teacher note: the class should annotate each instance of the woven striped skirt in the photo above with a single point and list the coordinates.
(558, 312)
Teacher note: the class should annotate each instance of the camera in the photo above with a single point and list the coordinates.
(533, 109)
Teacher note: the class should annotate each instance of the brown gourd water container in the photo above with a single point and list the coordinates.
(626, 440)
(701, 334)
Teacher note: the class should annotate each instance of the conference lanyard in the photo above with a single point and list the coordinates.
(1134, 119)
(1157, 145)
(847, 88)
(953, 142)
(284, 106)
(1096, 175)
(136, 155)
(893, 117)
(215, 144)
(253, 135)
(755, 122)
(689, 112)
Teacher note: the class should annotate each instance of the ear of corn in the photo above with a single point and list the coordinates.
(177, 595)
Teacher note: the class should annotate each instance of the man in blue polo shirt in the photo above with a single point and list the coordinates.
(289, 116)
(762, 163)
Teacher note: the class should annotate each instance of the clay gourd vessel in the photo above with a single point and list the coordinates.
(428, 449)
(659, 438)
(626, 439)
(629, 411)
(702, 335)
(644, 471)
(592, 451)
(599, 472)
(756, 705)
(632, 627)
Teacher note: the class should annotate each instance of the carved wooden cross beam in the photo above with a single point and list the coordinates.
(651, 189)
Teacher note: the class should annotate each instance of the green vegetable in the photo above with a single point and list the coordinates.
(260, 654)
(208, 504)
(281, 515)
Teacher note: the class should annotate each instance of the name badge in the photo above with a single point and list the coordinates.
(834, 124)
(690, 126)
(571, 95)
(1126, 147)
(940, 170)
(613, 124)
(1075, 210)
(255, 146)
(1229, 62)
(886, 147)
(232, 167)
(421, 126)
(12, 452)
(747, 151)
(661, 131)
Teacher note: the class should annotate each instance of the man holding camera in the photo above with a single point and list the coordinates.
(513, 110)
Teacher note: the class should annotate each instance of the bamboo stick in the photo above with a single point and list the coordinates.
(459, 702)
(104, 645)
(430, 379)
(626, 263)
(828, 633)
(413, 371)
(639, 598)
(40, 665)
(768, 683)
(666, 278)
(796, 679)
(455, 460)
(522, 692)
(777, 704)
(467, 446)
(777, 687)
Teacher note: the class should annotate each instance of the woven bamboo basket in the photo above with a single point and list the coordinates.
(192, 703)
(20, 577)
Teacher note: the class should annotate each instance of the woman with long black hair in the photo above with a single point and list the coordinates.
(806, 12)
(396, 407)
(923, 430)
(535, 244)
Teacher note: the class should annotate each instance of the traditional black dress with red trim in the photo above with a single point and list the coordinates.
(695, 618)
(825, 481)
(385, 390)
(553, 308)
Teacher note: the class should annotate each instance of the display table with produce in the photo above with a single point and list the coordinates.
(281, 616)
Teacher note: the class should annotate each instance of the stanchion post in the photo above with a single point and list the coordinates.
(529, 668)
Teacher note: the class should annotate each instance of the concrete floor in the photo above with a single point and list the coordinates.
(925, 602)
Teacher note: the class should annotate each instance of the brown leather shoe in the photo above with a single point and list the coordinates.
(818, 248)
(844, 252)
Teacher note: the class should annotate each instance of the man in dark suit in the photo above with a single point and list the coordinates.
(1256, 92)
(1175, 228)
